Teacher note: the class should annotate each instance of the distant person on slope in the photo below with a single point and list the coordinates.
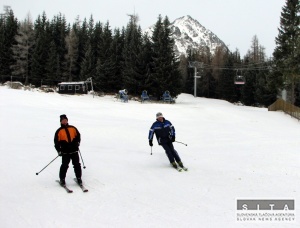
(66, 142)
(165, 135)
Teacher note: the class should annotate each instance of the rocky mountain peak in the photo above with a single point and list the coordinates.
(189, 33)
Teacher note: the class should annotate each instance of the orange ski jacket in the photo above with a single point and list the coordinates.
(67, 139)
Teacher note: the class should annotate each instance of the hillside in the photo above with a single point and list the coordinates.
(233, 152)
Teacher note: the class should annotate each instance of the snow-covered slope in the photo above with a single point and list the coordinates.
(232, 152)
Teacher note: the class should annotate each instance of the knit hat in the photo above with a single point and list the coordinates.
(159, 114)
(63, 116)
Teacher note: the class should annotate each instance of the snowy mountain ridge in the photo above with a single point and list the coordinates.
(189, 33)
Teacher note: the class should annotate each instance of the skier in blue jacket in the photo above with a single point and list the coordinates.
(165, 135)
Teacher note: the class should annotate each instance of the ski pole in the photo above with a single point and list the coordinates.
(151, 150)
(181, 143)
(81, 159)
(47, 165)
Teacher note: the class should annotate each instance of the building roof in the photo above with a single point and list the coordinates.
(71, 83)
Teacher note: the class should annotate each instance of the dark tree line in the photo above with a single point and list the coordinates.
(46, 52)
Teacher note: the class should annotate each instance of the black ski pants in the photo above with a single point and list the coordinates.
(171, 152)
(66, 158)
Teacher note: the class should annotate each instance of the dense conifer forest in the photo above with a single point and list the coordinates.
(47, 51)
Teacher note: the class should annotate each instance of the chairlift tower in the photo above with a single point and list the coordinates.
(90, 80)
(195, 65)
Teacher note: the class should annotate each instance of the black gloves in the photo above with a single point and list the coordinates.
(59, 153)
(173, 139)
(150, 143)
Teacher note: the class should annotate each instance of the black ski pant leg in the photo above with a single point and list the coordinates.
(174, 153)
(64, 166)
(76, 165)
(171, 152)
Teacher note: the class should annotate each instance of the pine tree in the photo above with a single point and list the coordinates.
(53, 68)
(72, 54)
(189, 81)
(87, 68)
(42, 40)
(21, 54)
(146, 61)
(82, 32)
(132, 72)
(206, 83)
(96, 42)
(218, 62)
(87, 65)
(286, 56)
(255, 90)
(225, 87)
(104, 65)
(59, 32)
(117, 46)
(174, 78)
(248, 90)
(165, 75)
(8, 31)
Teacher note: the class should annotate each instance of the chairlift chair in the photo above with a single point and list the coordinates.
(239, 78)
(166, 97)
(123, 95)
(144, 96)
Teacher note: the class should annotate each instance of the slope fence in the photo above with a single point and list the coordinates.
(286, 107)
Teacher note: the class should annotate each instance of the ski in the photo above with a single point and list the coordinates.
(65, 187)
(185, 168)
(178, 169)
(84, 189)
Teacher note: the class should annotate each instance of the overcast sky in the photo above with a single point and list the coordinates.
(234, 21)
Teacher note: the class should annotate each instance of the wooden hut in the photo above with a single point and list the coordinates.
(72, 88)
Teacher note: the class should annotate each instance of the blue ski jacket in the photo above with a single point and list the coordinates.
(164, 131)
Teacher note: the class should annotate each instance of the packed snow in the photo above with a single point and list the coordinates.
(233, 152)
